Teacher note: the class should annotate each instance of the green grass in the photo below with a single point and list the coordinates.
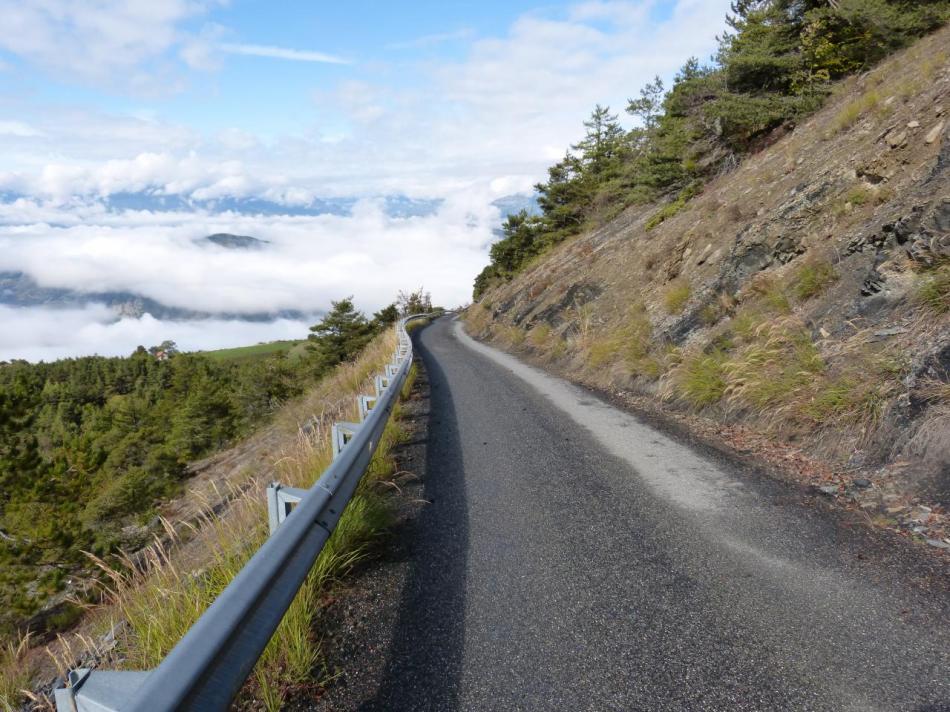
(674, 207)
(294, 349)
(770, 371)
(539, 335)
(700, 379)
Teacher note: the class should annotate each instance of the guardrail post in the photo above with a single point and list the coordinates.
(103, 691)
(280, 503)
(340, 435)
(366, 404)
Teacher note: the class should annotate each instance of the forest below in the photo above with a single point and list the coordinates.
(89, 446)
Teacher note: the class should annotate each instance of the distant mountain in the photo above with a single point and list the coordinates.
(513, 204)
(236, 242)
(396, 206)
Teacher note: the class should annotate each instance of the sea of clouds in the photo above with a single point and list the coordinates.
(308, 262)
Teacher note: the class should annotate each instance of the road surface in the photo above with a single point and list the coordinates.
(575, 558)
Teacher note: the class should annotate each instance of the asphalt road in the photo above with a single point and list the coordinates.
(573, 557)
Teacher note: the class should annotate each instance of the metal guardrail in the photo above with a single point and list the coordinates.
(209, 665)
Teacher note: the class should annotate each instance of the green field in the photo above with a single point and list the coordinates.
(293, 348)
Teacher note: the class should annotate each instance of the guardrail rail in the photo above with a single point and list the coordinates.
(208, 666)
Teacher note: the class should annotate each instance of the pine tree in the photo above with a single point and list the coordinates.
(602, 148)
(340, 335)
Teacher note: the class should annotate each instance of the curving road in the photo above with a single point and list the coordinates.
(574, 557)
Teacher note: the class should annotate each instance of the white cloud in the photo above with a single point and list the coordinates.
(505, 111)
(470, 129)
(39, 334)
(295, 55)
(426, 41)
(109, 41)
(310, 261)
(18, 129)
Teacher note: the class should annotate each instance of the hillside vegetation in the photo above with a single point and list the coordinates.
(791, 279)
(775, 66)
(89, 447)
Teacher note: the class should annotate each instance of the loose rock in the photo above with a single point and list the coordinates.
(896, 139)
(934, 133)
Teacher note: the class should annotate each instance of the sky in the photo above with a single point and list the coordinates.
(289, 102)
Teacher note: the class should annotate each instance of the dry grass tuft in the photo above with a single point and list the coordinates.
(933, 291)
(676, 296)
(812, 278)
(16, 671)
(698, 379)
(538, 336)
(477, 317)
(854, 110)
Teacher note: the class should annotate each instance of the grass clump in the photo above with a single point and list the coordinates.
(780, 361)
(854, 110)
(603, 351)
(514, 336)
(676, 296)
(813, 278)
(671, 209)
(700, 379)
(539, 335)
(638, 344)
(856, 393)
(933, 291)
(477, 317)
(766, 295)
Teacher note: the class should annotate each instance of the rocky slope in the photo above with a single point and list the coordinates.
(800, 303)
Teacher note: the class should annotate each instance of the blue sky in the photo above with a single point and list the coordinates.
(386, 83)
(288, 102)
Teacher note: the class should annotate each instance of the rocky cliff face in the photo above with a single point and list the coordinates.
(803, 297)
